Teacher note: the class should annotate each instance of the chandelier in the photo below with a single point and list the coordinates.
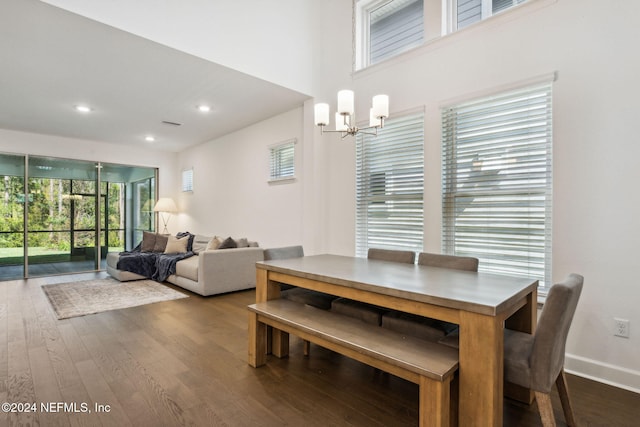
(345, 115)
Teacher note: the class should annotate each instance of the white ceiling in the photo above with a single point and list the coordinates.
(52, 60)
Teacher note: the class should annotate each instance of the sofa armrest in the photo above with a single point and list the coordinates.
(226, 270)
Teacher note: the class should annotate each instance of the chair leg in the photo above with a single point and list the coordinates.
(305, 348)
(545, 409)
(563, 391)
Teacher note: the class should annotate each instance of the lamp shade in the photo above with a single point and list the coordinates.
(321, 112)
(165, 204)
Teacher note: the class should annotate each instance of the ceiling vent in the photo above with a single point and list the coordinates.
(171, 123)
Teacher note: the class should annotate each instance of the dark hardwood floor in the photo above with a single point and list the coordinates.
(184, 362)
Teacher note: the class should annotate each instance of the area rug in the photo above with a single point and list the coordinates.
(94, 296)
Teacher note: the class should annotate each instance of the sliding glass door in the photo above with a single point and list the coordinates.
(75, 212)
(61, 220)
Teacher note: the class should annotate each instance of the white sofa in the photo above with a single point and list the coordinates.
(209, 272)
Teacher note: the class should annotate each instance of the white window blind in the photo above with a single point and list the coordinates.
(282, 161)
(394, 27)
(390, 186)
(497, 182)
(187, 180)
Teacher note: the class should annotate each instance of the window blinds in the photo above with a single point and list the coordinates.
(395, 27)
(390, 186)
(497, 182)
(282, 161)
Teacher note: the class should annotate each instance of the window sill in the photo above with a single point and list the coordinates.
(278, 181)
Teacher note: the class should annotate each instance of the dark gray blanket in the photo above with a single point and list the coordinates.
(155, 266)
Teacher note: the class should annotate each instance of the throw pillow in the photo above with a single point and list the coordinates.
(213, 244)
(176, 245)
(200, 243)
(228, 243)
(242, 242)
(148, 241)
(191, 237)
(161, 243)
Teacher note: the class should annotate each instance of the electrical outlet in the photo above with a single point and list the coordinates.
(621, 328)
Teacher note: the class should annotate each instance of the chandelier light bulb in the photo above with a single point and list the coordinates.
(345, 102)
(321, 114)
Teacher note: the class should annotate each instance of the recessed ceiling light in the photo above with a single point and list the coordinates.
(204, 108)
(149, 138)
(83, 108)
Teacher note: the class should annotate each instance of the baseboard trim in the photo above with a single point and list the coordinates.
(616, 376)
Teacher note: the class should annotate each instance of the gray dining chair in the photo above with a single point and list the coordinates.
(393, 255)
(536, 361)
(370, 313)
(424, 327)
(294, 293)
(464, 263)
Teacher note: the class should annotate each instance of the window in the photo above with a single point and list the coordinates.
(387, 28)
(187, 180)
(390, 186)
(497, 182)
(469, 11)
(282, 161)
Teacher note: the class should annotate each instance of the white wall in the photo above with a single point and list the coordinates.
(269, 40)
(232, 195)
(591, 46)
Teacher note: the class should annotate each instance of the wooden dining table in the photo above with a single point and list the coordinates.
(480, 303)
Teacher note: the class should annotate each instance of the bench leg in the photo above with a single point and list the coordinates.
(434, 402)
(257, 341)
(280, 343)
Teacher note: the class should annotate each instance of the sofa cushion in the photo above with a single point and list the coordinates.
(188, 268)
(161, 243)
(228, 243)
(148, 241)
(177, 245)
(190, 242)
(242, 242)
(214, 243)
(200, 243)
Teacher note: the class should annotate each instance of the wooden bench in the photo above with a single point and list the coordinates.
(430, 365)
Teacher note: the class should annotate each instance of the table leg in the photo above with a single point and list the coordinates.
(481, 370)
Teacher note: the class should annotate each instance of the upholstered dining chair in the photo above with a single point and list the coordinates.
(293, 293)
(303, 296)
(393, 255)
(536, 361)
(448, 261)
(283, 253)
(424, 327)
(369, 313)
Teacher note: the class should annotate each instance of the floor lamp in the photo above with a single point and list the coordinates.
(165, 205)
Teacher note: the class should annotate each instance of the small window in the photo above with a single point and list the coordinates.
(467, 12)
(187, 180)
(282, 161)
(386, 28)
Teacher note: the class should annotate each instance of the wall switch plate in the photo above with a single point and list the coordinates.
(621, 328)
